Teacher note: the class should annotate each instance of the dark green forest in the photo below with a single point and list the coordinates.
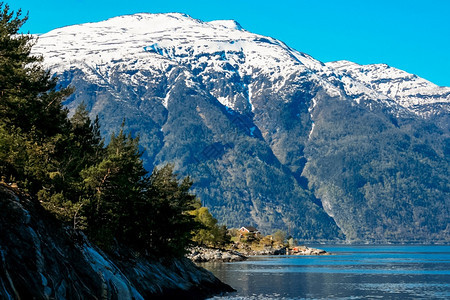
(64, 163)
(384, 176)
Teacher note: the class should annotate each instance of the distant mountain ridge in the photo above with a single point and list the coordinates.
(272, 137)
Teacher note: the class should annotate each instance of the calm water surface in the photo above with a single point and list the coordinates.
(362, 272)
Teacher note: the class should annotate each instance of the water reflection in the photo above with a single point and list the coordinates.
(353, 273)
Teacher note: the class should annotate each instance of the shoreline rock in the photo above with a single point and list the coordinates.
(40, 259)
(304, 250)
(204, 254)
(299, 250)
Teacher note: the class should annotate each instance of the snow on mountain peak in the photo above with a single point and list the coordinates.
(231, 24)
(127, 37)
(153, 42)
(406, 89)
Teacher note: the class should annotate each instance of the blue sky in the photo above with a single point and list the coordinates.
(410, 35)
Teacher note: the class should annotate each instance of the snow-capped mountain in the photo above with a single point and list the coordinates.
(408, 90)
(274, 137)
(161, 41)
(157, 41)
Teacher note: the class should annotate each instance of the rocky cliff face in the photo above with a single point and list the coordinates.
(271, 136)
(41, 260)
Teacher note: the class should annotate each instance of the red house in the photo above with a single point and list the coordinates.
(249, 229)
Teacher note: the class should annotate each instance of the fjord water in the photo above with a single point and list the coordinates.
(353, 272)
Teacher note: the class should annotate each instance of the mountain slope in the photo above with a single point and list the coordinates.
(410, 91)
(273, 137)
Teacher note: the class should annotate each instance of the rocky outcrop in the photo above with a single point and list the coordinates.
(265, 251)
(298, 250)
(202, 254)
(41, 260)
(303, 250)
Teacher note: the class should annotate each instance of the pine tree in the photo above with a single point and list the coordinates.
(84, 147)
(63, 161)
(40, 149)
(172, 225)
(147, 213)
(78, 149)
(85, 135)
(29, 97)
(116, 184)
(30, 106)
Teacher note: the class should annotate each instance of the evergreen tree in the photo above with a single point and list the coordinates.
(40, 149)
(29, 97)
(80, 148)
(170, 201)
(86, 140)
(30, 106)
(83, 148)
(146, 213)
(63, 162)
(116, 184)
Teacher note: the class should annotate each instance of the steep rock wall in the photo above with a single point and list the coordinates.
(41, 260)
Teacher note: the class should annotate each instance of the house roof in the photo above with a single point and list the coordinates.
(250, 228)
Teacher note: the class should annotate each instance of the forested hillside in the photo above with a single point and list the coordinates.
(272, 137)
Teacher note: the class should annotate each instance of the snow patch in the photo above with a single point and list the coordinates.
(407, 90)
(311, 131)
(250, 96)
(230, 24)
(225, 101)
(166, 99)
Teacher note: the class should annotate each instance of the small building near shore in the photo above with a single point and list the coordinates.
(249, 230)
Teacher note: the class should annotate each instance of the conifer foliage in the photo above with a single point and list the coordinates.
(31, 116)
(63, 162)
(30, 99)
